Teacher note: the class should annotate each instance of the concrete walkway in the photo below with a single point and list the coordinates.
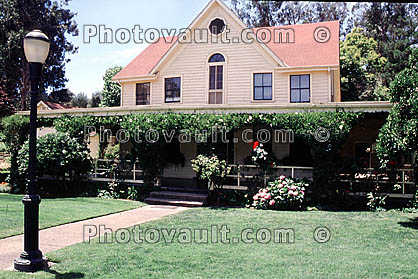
(65, 235)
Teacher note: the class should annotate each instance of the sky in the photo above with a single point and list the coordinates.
(86, 69)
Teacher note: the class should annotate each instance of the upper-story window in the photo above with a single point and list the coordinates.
(143, 93)
(217, 57)
(172, 89)
(217, 26)
(300, 89)
(263, 86)
(216, 78)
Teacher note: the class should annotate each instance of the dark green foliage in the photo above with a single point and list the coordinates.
(95, 100)
(394, 26)
(17, 18)
(80, 100)
(59, 156)
(275, 13)
(13, 133)
(399, 135)
(152, 160)
(111, 90)
(61, 96)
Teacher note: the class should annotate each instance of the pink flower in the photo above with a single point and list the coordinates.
(290, 192)
(255, 197)
(295, 193)
(267, 197)
(272, 202)
(282, 177)
(280, 185)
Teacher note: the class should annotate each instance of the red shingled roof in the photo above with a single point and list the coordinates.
(305, 51)
(53, 105)
(147, 59)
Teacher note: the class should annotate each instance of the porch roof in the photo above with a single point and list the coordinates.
(219, 109)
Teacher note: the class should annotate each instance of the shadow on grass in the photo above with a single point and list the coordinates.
(412, 223)
(68, 275)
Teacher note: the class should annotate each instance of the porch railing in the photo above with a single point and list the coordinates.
(361, 182)
(244, 173)
(108, 170)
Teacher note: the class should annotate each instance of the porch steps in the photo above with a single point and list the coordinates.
(186, 190)
(178, 198)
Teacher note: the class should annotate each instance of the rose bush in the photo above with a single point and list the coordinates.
(283, 193)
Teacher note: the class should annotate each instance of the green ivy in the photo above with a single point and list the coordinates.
(304, 126)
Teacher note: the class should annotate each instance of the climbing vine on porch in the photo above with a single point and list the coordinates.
(305, 126)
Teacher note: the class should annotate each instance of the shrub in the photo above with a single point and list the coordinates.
(120, 190)
(14, 131)
(59, 156)
(282, 193)
(210, 168)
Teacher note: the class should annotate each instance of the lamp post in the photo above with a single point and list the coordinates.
(36, 47)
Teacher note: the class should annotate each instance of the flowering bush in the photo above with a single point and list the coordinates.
(283, 193)
(211, 169)
(259, 155)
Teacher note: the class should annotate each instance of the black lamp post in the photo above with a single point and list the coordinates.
(36, 47)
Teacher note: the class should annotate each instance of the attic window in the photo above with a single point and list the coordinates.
(217, 26)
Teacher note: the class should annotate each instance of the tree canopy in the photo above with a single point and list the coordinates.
(111, 90)
(361, 65)
(399, 135)
(18, 17)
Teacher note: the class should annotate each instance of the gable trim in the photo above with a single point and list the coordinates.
(236, 18)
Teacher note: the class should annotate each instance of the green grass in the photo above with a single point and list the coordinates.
(362, 245)
(55, 212)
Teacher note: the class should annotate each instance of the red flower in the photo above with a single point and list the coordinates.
(255, 145)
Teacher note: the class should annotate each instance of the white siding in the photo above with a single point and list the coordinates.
(189, 61)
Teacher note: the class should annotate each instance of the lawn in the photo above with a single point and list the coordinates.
(362, 245)
(55, 212)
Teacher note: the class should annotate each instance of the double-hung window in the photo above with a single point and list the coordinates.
(263, 86)
(143, 93)
(172, 89)
(300, 90)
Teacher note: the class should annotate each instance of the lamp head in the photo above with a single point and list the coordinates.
(36, 46)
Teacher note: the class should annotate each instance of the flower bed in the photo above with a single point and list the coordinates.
(283, 193)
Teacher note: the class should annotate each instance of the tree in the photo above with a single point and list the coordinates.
(111, 90)
(80, 100)
(399, 135)
(6, 104)
(17, 18)
(361, 66)
(62, 96)
(14, 131)
(394, 26)
(95, 100)
(274, 13)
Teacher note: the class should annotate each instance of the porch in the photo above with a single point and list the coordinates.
(242, 177)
